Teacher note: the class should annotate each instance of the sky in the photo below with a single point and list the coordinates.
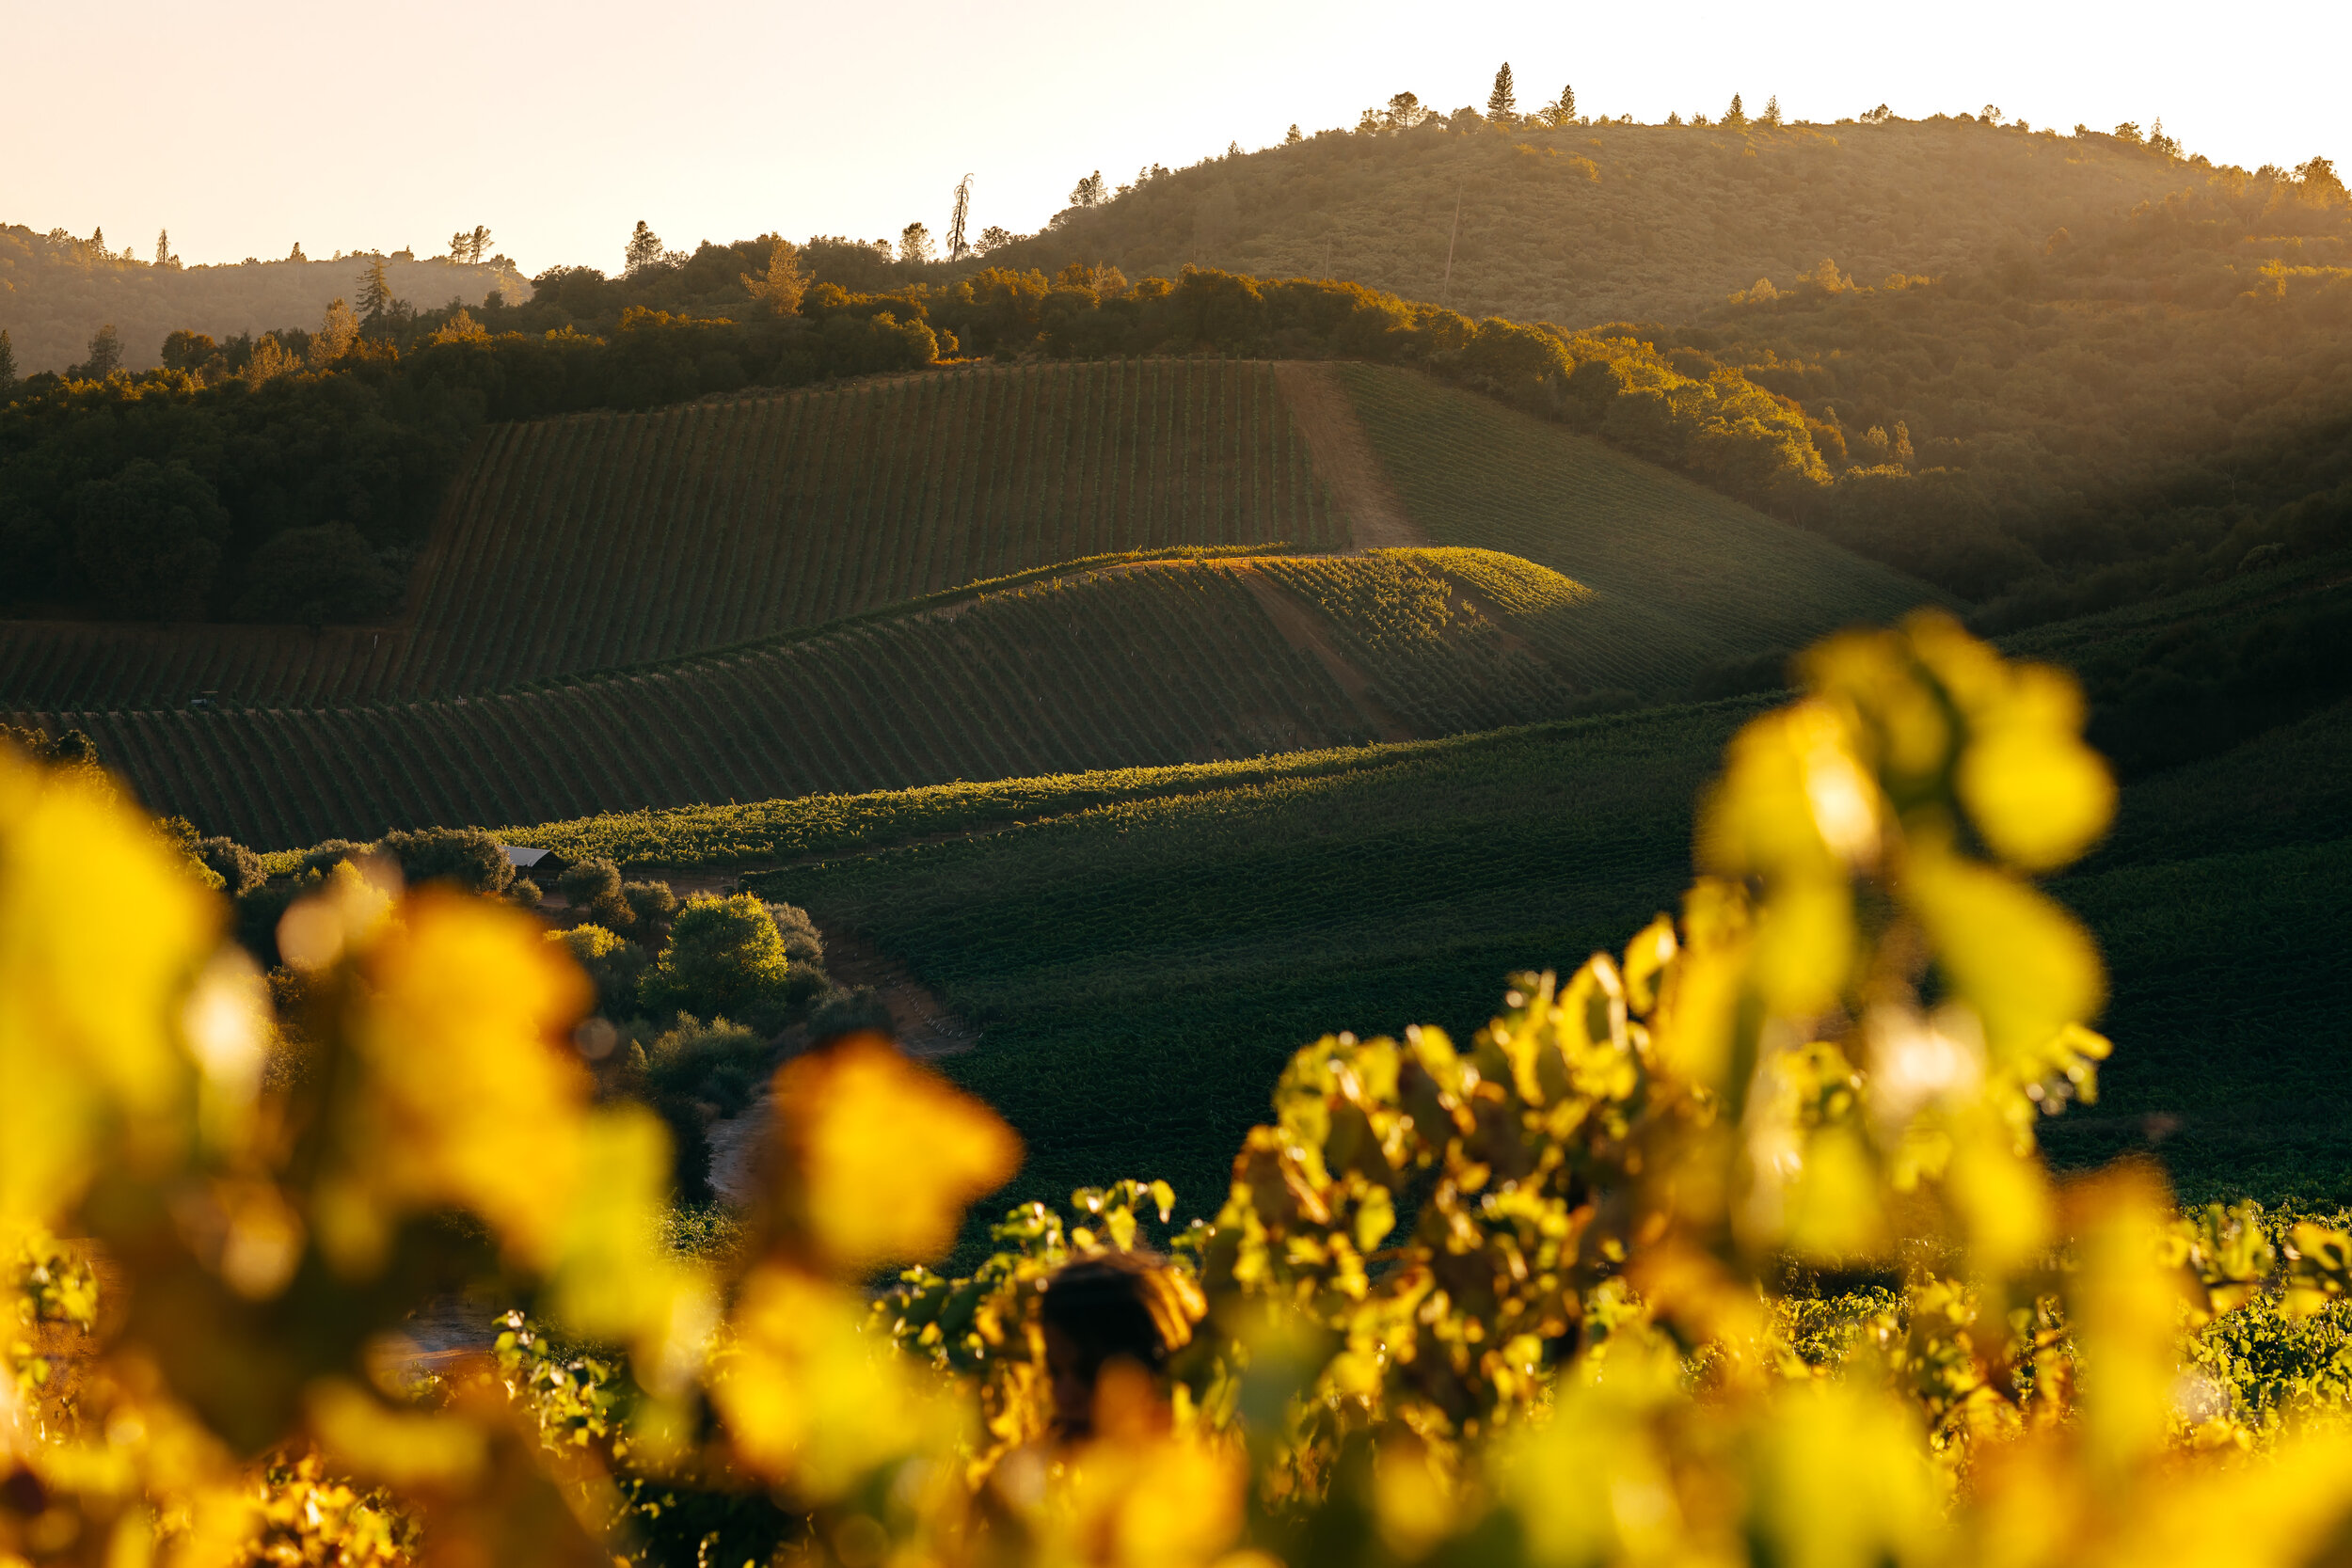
(245, 126)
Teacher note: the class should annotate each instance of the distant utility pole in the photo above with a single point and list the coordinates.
(1445, 289)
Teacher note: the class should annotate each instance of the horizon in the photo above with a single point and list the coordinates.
(560, 175)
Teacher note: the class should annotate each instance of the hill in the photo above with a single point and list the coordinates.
(1683, 577)
(1613, 222)
(56, 291)
(1131, 662)
(602, 540)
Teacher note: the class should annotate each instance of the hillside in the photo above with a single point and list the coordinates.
(1142, 950)
(1613, 222)
(1682, 576)
(56, 291)
(599, 540)
(1133, 664)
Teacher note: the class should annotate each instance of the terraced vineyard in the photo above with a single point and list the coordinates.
(1158, 661)
(1681, 576)
(600, 540)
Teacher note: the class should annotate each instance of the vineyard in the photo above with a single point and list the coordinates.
(1152, 662)
(1681, 576)
(595, 541)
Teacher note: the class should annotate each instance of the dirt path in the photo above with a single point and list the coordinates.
(1298, 627)
(1342, 457)
(924, 1026)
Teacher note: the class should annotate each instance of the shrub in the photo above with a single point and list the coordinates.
(593, 889)
(652, 903)
(616, 965)
(238, 867)
(850, 1012)
(723, 956)
(524, 893)
(471, 857)
(803, 941)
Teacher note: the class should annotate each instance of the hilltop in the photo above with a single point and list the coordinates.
(56, 291)
(1615, 222)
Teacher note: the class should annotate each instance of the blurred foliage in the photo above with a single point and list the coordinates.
(1734, 1245)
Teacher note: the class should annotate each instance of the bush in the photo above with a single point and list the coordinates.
(471, 857)
(717, 1063)
(850, 1012)
(803, 941)
(723, 956)
(238, 867)
(652, 904)
(616, 965)
(524, 893)
(593, 889)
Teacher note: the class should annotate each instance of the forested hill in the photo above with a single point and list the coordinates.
(1603, 222)
(57, 292)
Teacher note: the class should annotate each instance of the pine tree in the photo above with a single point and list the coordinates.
(457, 242)
(8, 362)
(1293, 138)
(1735, 114)
(376, 291)
(1503, 105)
(97, 239)
(959, 246)
(478, 244)
(784, 284)
(106, 355)
(1089, 191)
(295, 254)
(643, 249)
(163, 248)
(915, 243)
(1772, 110)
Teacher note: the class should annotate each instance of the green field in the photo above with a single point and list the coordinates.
(1130, 662)
(1681, 575)
(599, 540)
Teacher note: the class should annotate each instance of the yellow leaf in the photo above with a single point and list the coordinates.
(884, 1155)
(99, 935)
(473, 1097)
(2012, 955)
(2038, 794)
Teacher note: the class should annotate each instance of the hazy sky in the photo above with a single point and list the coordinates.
(249, 125)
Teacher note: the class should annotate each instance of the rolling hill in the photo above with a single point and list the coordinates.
(56, 291)
(774, 595)
(1126, 662)
(1615, 222)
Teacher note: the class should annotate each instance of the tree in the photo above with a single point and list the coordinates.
(2317, 177)
(643, 249)
(105, 356)
(97, 239)
(1881, 115)
(958, 246)
(376, 291)
(148, 540)
(1561, 112)
(478, 244)
(995, 237)
(915, 243)
(471, 857)
(1290, 138)
(723, 956)
(1089, 192)
(1502, 104)
(1772, 110)
(335, 336)
(7, 363)
(316, 577)
(164, 257)
(457, 244)
(1736, 114)
(782, 285)
(295, 254)
(1404, 112)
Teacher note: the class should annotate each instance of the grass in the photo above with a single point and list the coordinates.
(1680, 576)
